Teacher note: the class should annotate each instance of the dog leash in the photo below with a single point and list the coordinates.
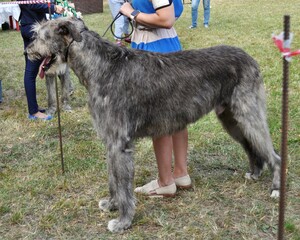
(111, 27)
(58, 110)
(112, 23)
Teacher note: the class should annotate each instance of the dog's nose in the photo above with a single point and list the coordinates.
(25, 53)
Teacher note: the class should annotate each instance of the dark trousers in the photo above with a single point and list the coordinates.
(30, 74)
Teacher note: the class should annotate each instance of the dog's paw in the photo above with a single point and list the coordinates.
(248, 176)
(275, 194)
(67, 108)
(251, 176)
(107, 205)
(104, 205)
(51, 111)
(117, 226)
(113, 226)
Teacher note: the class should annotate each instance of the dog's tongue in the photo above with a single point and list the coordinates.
(42, 67)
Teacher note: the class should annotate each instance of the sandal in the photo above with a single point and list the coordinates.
(32, 117)
(184, 182)
(152, 189)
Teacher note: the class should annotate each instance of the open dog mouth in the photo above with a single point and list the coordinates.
(46, 64)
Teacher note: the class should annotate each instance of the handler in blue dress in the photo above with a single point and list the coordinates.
(149, 36)
(153, 31)
(31, 14)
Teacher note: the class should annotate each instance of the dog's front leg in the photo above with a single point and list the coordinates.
(50, 84)
(65, 81)
(110, 204)
(121, 175)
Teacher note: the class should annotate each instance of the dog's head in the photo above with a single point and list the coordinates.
(52, 40)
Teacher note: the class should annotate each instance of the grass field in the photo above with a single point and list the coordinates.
(38, 202)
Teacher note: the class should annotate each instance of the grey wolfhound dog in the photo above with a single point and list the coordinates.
(136, 94)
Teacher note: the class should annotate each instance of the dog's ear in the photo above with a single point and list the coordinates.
(68, 29)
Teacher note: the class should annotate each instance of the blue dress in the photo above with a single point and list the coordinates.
(156, 39)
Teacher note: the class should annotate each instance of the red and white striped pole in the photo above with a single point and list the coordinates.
(25, 2)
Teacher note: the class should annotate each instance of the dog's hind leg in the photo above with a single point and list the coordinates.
(250, 129)
(121, 174)
(231, 125)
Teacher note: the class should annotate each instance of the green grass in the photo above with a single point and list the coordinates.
(38, 202)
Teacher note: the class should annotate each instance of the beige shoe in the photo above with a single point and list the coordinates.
(152, 189)
(184, 182)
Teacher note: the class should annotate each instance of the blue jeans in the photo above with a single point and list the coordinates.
(206, 7)
(122, 23)
(31, 72)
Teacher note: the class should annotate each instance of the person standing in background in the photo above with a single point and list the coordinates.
(121, 24)
(31, 14)
(206, 17)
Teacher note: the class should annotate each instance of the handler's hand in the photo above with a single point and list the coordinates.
(59, 9)
(126, 9)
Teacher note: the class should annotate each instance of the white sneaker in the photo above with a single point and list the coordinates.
(152, 189)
